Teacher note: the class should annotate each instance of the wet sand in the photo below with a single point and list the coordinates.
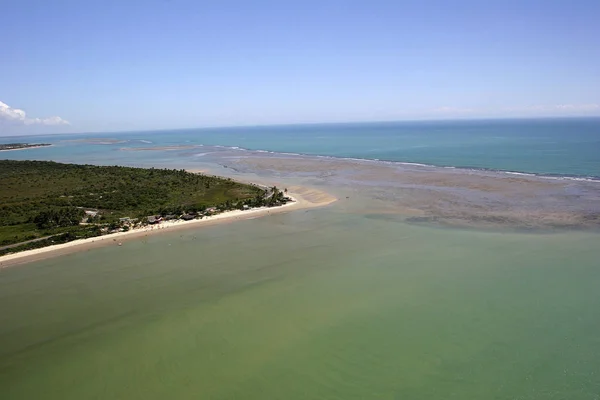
(444, 196)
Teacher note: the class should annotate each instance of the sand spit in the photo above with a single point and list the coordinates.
(302, 197)
(29, 147)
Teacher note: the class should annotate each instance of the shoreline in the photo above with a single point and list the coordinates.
(302, 198)
(28, 147)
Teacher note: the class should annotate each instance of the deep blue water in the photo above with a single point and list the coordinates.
(565, 147)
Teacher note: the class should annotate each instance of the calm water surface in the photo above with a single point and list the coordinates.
(317, 304)
(332, 303)
(568, 147)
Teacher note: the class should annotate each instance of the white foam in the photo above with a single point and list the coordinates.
(518, 173)
(413, 164)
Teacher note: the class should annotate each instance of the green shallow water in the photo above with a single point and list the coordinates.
(308, 305)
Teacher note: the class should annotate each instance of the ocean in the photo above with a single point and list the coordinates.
(356, 300)
(559, 147)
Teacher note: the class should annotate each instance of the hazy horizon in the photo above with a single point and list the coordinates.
(275, 125)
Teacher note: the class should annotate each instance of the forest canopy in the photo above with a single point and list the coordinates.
(41, 198)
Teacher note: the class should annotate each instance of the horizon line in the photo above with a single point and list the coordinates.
(272, 125)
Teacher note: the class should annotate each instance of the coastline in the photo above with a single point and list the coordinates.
(302, 198)
(29, 147)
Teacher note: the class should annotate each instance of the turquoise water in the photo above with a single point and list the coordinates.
(342, 302)
(569, 147)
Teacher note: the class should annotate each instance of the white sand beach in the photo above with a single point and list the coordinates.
(302, 197)
(29, 147)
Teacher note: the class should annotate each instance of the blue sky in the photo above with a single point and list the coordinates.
(129, 65)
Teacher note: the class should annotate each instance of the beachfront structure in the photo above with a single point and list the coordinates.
(210, 210)
(154, 219)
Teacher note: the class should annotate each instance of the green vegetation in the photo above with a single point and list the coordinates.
(17, 146)
(57, 202)
(54, 218)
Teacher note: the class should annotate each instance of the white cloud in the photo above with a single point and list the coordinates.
(559, 109)
(19, 117)
(578, 107)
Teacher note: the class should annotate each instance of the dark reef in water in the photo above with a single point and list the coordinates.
(446, 197)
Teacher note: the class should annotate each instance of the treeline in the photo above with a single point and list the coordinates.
(39, 197)
(29, 187)
(272, 197)
(13, 146)
(67, 216)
